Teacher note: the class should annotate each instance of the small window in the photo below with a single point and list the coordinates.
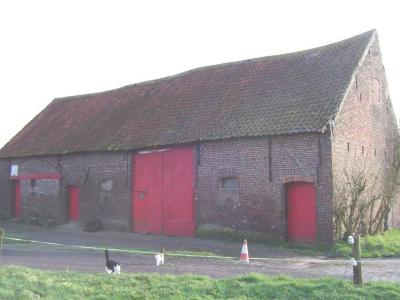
(32, 183)
(14, 170)
(376, 91)
(348, 146)
(229, 183)
(360, 97)
(362, 149)
(374, 152)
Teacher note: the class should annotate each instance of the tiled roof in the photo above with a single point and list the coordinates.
(289, 93)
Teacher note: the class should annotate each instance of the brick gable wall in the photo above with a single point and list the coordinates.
(364, 130)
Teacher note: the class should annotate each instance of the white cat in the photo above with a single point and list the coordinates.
(160, 257)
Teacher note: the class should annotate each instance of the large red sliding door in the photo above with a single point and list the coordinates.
(163, 192)
(301, 212)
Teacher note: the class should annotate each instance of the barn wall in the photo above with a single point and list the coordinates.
(5, 189)
(103, 180)
(364, 131)
(40, 201)
(259, 201)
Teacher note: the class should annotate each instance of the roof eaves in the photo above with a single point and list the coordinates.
(157, 145)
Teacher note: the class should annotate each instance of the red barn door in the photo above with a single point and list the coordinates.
(73, 203)
(17, 199)
(178, 187)
(301, 212)
(163, 192)
(147, 192)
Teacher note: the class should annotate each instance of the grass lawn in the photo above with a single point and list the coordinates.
(24, 283)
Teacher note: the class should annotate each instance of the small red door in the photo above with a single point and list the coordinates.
(163, 192)
(301, 212)
(73, 203)
(17, 202)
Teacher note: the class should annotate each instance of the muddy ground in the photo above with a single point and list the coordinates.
(275, 261)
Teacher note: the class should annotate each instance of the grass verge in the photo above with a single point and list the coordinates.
(24, 283)
(386, 244)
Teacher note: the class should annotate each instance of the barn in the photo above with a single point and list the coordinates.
(255, 145)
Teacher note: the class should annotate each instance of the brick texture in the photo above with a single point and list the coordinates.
(365, 127)
(5, 188)
(48, 199)
(259, 202)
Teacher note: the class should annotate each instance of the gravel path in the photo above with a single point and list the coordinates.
(276, 262)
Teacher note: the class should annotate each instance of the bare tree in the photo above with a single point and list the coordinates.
(363, 202)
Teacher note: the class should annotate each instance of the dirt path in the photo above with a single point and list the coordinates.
(278, 261)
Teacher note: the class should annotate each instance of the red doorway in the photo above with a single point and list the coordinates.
(163, 195)
(73, 203)
(301, 212)
(17, 199)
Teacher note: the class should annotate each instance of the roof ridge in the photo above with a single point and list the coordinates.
(215, 66)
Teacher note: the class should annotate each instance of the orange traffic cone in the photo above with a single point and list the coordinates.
(244, 255)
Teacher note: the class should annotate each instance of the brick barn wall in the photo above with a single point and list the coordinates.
(259, 202)
(364, 131)
(40, 202)
(5, 189)
(105, 183)
(103, 180)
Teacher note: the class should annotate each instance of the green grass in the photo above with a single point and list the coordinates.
(386, 244)
(24, 283)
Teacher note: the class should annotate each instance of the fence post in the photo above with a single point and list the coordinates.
(1, 241)
(1, 237)
(356, 250)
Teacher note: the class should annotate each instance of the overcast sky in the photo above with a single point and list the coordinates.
(52, 49)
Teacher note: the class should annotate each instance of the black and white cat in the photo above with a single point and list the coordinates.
(112, 267)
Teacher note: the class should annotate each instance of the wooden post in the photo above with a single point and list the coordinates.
(357, 275)
(1, 238)
(1, 241)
